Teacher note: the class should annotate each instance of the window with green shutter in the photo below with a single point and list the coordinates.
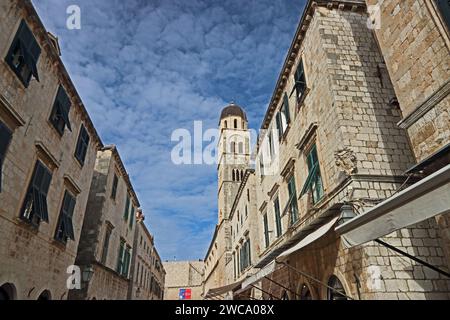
(5, 139)
(127, 208)
(132, 216)
(35, 208)
(276, 207)
(114, 187)
(60, 113)
(82, 145)
(65, 226)
(266, 230)
(23, 54)
(313, 182)
(444, 9)
(120, 258)
(293, 207)
(299, 81)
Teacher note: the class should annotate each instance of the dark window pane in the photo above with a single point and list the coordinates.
(35, 206)
(5, 138)
(82, 145)
(114, 187)
(24, 54)
(60, 113)
(444, 8)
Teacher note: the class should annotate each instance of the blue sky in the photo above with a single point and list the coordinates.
(146, 68)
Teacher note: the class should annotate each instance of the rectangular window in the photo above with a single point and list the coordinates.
(299, 81)
(5, 139)
(65, 225)
(234, 265)
(60, 113)
(127, 208)
(23, 54)
(283, 117)
(106, 244)
(276, 207)
(114, 187)
(262, 165)
(314, 180)
(35, 205)
(266, 230)
(126, 261)
(293, 208)
(132, 217)
(82, 145)
(444, 9)
(120, 258)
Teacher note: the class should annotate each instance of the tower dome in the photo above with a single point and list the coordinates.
(233, 110)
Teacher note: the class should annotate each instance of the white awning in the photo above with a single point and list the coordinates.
(222, 290)
(264, 272)
(310, 238)
(423, 200)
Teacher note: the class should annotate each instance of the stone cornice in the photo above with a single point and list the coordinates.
(425, 106)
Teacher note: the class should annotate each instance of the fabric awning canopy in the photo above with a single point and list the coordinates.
(310, 238)
(264, 272)
(271, 267)
(222, 290)
(423, 200)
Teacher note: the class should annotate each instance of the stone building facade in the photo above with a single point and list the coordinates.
(56, 177)
(48, 147)
(146, 280)
(182, 275)
(332, 147)
(107, 237)
(414, 37)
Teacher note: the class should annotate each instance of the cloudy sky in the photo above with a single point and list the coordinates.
(145, 68)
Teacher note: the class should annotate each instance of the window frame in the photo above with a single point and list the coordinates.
(34, 190)
(82, 145)
(65, 221)
(61, 106)
(30, 52)
(114, 186)
(266, 230)
(277, 213)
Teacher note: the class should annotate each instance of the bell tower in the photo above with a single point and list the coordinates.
(233, 156)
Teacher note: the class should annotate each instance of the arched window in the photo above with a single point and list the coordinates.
(45, 295)
(234, 174)
(226, 124)
(305, 293)
(233, 147)
(241, 147)
(242, 175)
(7, 292)
(238, 178)
(336, 290)
(235, 123)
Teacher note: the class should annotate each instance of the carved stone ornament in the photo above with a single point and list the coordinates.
(346, 160)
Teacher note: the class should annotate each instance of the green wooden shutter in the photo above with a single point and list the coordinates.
(266, 230)
(286, 108)
(5, 139)
(120, 258)
(132, 216)
(127, 208)
(276, 205)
